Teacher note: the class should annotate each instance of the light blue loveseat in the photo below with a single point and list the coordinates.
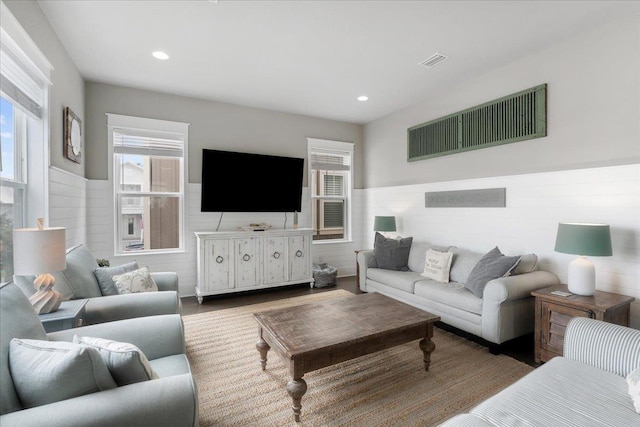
(171, 400)
(585, 387)
(78, 281)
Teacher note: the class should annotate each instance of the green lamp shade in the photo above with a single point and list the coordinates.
(384, 223)
(583, 239)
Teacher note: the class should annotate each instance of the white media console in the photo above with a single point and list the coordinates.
(236, 261)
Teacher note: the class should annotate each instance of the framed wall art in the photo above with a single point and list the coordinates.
(72, 136)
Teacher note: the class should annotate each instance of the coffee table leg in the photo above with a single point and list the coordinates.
(296, 389)
(427, 346)
(263, 348)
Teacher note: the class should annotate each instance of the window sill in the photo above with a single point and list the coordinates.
(326, 242)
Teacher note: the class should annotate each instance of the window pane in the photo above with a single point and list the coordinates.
(7, 140)
(150, 173)
(333, 214)
(333, 185)
(11, 208)
(149, 223)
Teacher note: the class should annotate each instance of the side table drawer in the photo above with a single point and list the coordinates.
(554, 323)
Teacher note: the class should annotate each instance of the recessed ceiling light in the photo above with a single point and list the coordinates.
(158, 54)
(363, 98)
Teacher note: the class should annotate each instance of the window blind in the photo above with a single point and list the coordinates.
(146, 143)
(17, 85)
(330, 162)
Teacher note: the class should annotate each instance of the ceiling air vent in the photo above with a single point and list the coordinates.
(433, 60)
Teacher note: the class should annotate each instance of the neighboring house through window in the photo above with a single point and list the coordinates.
(24, 150)
(149, 164)
(330, 175)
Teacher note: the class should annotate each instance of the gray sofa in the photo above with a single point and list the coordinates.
(78, 281)
(505, 311)
(169, 400)
(585, 387)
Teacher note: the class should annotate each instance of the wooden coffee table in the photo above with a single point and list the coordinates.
(313, 336)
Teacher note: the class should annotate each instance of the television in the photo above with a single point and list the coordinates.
(246, 182)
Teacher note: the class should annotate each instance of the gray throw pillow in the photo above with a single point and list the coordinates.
(492, 265)
(391, 254)
(50, 371)
(105, 274)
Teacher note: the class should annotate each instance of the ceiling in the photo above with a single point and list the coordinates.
(311, 57)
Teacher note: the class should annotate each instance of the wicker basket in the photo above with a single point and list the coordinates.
(324, 275)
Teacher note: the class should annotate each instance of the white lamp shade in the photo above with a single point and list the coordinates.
(37, 251)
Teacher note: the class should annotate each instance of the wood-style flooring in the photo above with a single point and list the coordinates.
(520, 349)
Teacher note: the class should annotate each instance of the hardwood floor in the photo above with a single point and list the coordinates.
(520, 349)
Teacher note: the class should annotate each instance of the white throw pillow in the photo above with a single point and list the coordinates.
(633, 379)
(50, 371)
(126, 362)
(437, 265)
(135, 281)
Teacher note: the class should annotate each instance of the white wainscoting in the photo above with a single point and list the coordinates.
(68, 205)
(535, 205)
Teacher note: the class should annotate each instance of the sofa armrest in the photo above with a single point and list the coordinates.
(465, 420)
(607, 346)
(519, 286)
(166, 280)
(126, 306)
(363, 259)
(156, 336)
(170, 401)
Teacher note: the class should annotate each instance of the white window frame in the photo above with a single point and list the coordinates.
(339, 148)
(152, 128)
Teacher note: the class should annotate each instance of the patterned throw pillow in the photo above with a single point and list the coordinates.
(633, 379)
(126, 362)
(437, 265)
(135, 281)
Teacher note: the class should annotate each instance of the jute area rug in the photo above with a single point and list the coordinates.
(388, 388)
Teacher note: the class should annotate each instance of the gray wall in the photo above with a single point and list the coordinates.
(213, 125)
(593, 113)
(68, 85)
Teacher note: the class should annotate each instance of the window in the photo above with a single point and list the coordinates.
(330, 175)
(149, 159)
(24, 152)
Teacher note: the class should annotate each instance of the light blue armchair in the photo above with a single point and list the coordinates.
(78, 282)
(170, 400)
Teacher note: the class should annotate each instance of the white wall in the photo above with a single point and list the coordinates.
(68, 205)
(535, 205)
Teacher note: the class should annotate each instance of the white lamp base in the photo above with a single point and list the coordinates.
(582, 277)
(45, 300)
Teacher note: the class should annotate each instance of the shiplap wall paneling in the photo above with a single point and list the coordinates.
(68, 205)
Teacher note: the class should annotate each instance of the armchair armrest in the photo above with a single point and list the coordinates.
(125, 306)
(519, 286)
(170, 401)
(363, 258)
(166, 280)
(156, 336)
(607, 346)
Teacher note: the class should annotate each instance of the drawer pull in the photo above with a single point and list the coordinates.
(219, 259)
(592, 314)
(246, 257)
(299, 253)
(276, 255)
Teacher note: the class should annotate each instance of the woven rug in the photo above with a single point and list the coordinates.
(388, 388)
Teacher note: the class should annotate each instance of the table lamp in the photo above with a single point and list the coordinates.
(384, 223)
(40, 251)
(583, 239)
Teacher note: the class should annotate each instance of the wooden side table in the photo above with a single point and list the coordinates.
(358, 266)
(553, 312)
(69, 315)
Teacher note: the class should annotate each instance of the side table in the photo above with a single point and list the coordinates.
(553, 312)
(358, 266)
(69, 315)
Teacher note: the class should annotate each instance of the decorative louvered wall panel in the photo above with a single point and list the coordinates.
(513, 118)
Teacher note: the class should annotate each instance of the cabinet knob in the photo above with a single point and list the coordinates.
(246, 257)
(219, 259)
(592, 314)
(276, 255)
(299, 253)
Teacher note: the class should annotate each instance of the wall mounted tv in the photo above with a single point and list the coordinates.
(245, 182)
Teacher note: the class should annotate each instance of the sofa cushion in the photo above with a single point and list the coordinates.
(452, 294)
(135, 281)
(417, 254)
(462, 263)
(562, 389)
(402, 280)
(104, 276)
(126, 362)
(391, 254)
(491, 266)
(79, 273)
(437, 265)
(50, 371)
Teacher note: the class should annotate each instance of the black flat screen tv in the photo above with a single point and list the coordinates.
(246, 182)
